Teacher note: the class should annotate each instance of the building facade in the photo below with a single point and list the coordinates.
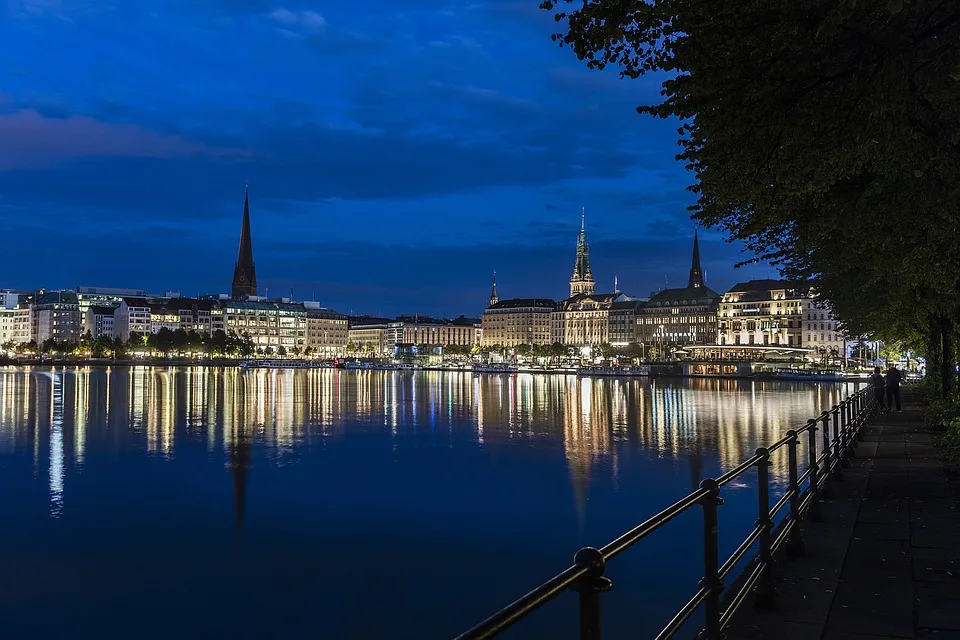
(327, 331)
(55, 315)
(763, 312)
(821, 331)
(270, 325)
(22, 324)
(622, 322)
(686, 316)
(423, 331)
(8, 306)
(584, 319)
(104, 297)
(99, 321)
(367, 335)
(509, 323)
(132, 317)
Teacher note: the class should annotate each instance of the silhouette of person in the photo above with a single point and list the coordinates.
(878, 386)
(892, 381)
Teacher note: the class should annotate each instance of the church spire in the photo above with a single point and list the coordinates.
(493, 294)
(245, 272)
(582, 280)
(696, 273)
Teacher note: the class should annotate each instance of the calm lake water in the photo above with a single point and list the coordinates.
(184, 502)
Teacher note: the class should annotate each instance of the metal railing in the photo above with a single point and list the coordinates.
(840, 429)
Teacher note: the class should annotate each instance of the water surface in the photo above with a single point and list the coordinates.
(182, 502)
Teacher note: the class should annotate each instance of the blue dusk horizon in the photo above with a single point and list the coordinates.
(397, 154)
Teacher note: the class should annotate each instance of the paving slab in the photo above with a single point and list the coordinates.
(885, 563)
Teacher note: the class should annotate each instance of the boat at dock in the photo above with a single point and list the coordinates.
(497, 367)
(641, 370)
(278, 364)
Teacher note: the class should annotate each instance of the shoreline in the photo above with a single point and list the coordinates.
(657, 370)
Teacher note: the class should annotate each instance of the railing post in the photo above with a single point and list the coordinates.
(767, 585)
(827, 452)
(712, 629)
(851, 430)
(795, 544)
(590, 586)
(816, 495)
(839, 429)
(861, 417)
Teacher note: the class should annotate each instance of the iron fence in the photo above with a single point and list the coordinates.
(840, 428)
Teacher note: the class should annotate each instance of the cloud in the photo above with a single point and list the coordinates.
(37, 8)
(30, 140)
(306, 19)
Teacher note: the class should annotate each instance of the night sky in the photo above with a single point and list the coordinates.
(397, 153)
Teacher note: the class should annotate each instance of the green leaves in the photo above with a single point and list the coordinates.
(820, 132)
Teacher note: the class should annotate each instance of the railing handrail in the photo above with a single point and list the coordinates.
(586, 574)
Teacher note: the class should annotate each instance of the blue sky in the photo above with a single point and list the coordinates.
(397, 153)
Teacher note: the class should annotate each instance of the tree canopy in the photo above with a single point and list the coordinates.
(825, 134)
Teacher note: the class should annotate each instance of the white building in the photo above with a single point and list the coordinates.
(763, 312)
(326, 331)
(269, 324)
(99, 321)
(132, 317)
(8, 306)
(821, 331)
(22, 324)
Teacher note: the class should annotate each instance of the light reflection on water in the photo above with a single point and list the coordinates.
(449, 465)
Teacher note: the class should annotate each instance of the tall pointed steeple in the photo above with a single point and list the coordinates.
(493, 294)
(696, 273)
(582, 280)
(245, 272)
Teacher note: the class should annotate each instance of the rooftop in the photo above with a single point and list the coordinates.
(686, 295)
(518, 303)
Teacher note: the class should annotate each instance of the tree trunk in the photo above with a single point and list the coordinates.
(947, 359)
(933, 354)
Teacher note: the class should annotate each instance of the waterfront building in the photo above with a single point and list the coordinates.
(99, 321)
(327, 331)
(6, 325)
(270, 324)
(104, 297)
(681, 316)
(21, 328)
(55, 315)
(8, 308)
(517, 321)
(622, 322)
(198, 315)
(581, 283)
(821, 331)
(423, 331)
(132, 317)
(584, 319)
(763, 312)
(367, 334)
(245, 271)
(163, 317)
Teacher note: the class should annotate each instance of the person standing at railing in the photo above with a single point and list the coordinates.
(892, 383)
(878, 387)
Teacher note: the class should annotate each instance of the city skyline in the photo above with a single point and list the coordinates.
(409, 179)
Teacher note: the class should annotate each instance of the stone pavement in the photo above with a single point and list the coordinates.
(885, 562)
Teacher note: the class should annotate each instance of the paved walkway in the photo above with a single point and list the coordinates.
(885, 563)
